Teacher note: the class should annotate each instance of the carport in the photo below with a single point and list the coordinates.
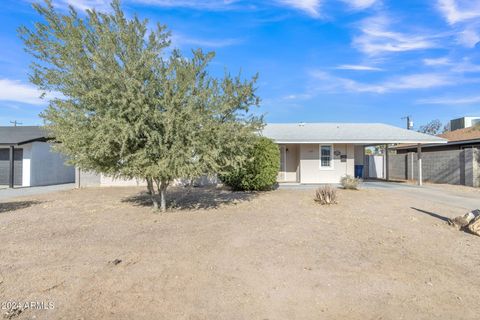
(386, 148)
(11, 153)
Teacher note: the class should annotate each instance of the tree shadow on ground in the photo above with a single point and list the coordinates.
(432, 214)
(17, 205)
(445, 219)
(184, 198)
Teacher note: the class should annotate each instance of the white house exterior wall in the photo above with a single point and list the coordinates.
(46, 166)
(310, 171)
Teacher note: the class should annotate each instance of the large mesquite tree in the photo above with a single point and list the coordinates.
(125, 108)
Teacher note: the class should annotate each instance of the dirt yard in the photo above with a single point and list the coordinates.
(103, 254)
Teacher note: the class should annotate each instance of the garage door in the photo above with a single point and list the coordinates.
(5, 165)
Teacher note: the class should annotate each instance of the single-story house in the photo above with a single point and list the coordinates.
(311, 153)
(457, 140)
(325, 152)
(26, 159)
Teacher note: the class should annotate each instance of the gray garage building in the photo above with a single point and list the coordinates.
(26, 159)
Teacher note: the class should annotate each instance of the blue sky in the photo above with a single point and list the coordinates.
(318, 60)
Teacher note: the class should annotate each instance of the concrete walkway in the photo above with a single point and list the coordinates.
(6, 194)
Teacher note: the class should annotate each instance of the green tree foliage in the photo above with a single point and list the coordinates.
(127, 109)
(260, 172)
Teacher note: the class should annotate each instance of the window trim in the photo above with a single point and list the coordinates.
(332, 157)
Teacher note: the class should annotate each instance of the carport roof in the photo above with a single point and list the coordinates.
(21, 134)
(360, 133)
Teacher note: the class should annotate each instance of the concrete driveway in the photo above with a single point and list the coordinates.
(459, 196)
(6, 194)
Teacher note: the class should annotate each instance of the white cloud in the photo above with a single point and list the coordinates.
(311, 7)
(468, 37)
(406, 82)
(360, 4)
(180, 40)
(301, 96)
(450, 101)
(419, 81)
(376, 37)
(104, 5)
(357, 67)
(195, 4)
(464, 15)
(456, 11)
(16, 91)
(463, 66)
(437, 61)
(82, 5)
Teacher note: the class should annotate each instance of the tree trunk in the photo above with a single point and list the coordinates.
(151, 192)
(162, 191)
(163, 200)
(150, 186)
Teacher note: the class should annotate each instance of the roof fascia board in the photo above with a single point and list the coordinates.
(448, 143)
(358, 142)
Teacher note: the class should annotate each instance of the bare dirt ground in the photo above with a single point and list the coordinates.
(378, 254)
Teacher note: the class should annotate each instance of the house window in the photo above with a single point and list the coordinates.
(326, 156)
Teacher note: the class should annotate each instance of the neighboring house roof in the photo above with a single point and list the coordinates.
(21, 134)
(471, 133)
(460, 136)
(364, 133)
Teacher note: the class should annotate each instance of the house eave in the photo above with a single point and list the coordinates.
(361, 142)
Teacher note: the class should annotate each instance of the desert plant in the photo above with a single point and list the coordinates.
(349, 182)
(326, 195)
(259, 173)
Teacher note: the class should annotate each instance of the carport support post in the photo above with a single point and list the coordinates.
(387, 173)
(419, 157)
(12, 168)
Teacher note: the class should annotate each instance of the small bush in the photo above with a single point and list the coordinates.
(326, 195)
(349, 182)
(260, 172)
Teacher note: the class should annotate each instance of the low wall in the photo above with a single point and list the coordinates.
(461, 167)
(90, 179)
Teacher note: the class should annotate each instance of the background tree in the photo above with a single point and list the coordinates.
(125, 109)
(433, 127)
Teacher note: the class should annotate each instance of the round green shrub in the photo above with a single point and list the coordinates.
(260, 172)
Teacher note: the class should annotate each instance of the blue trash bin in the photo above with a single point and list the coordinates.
(358, 171)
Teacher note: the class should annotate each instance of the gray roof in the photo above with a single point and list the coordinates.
(21, 134)
(362, 133)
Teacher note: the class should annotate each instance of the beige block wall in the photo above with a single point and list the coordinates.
(310, 171)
